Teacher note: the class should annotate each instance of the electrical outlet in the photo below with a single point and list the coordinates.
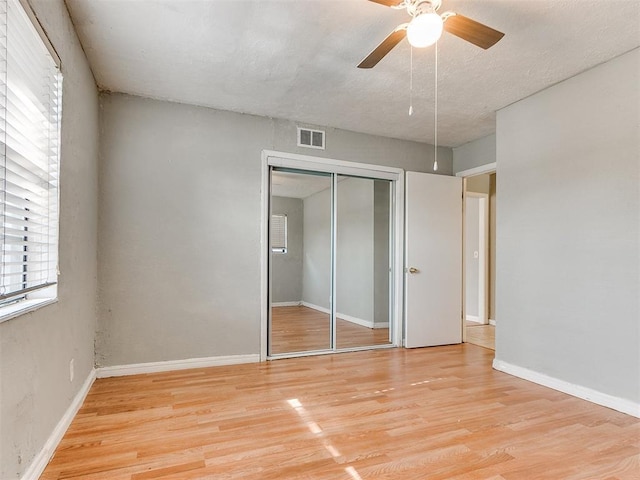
(71, 369)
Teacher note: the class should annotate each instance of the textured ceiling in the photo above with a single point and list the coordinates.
(296, 59)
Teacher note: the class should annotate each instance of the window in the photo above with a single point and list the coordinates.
(30, 104)
(279, 233)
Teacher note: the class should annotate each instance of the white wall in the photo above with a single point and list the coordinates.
(568, 226)
(179, 223)
(35, 348)
(471, 263)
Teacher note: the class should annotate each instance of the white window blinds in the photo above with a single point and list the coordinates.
(279, 233)
(30, 114)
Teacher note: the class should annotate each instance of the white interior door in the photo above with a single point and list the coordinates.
(433, 256)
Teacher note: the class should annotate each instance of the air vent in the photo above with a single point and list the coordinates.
(310, 138)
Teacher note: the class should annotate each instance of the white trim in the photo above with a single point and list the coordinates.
(308, 162)
(593, 396)
(44, 455)
(483, 255)
(359, 321)
(286, 304)
(397, 299)
(348, 318)
(315, 307)
(170, 365)
(43, 35)
(472, 172)
(492, 322)
(483, 264)
(313, 353)
(333, 325)
(7, 312)
(265, 311)
(472, 318)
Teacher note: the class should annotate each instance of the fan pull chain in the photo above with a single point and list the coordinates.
(411, 81)
(435, 134)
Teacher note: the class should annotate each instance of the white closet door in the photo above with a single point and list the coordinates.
(433, 255)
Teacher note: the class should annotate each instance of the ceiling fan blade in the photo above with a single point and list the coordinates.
(385, 47)
(472, 31)
(388, 3)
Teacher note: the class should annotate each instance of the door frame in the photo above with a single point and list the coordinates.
(472, 172)
(483, 257)
(308, 162)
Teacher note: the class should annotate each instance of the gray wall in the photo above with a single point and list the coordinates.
(35, 348)
(179, 223)
(354, 249)
(381, 223)
(316, 288)
(362, 288)
(360, 147)
(568, 230)
(286, 268)
(474, 154)
(471, 264)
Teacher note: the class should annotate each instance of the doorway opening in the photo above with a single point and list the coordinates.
(479, 256)
(332, 259)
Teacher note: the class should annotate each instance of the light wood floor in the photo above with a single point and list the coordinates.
(303, 329)
(481, 335)
(396, 414)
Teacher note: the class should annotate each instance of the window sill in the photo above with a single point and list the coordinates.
(25, 306)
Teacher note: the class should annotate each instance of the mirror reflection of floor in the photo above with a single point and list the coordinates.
(300, 329)
(481, 335)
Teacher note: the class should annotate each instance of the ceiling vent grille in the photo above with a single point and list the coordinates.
(311, 138)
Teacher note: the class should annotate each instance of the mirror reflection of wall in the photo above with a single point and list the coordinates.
(362, 293)
(299, 322)
(301, 277)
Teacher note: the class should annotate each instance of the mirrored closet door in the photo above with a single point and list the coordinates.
(301, 238)
(363, 269)
(331, 237)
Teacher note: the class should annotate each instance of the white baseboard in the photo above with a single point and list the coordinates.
(315, 307)
(593, 396)
(348, 318)
(44, 455)
(286, 304)
(357, 321)
(472, 318)
(492, 322)
(169, 365)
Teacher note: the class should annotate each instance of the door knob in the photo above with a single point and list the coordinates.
(413, 270)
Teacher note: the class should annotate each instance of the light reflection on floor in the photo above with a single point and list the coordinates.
(316, 430)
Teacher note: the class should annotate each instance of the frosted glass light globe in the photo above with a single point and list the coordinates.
(424, 30)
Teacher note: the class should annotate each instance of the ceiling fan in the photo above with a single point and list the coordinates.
(426, 27)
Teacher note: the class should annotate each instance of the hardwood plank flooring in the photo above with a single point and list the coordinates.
(303, 329)
(432, 413)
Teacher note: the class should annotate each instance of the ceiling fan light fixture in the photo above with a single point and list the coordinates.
(424, 30)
